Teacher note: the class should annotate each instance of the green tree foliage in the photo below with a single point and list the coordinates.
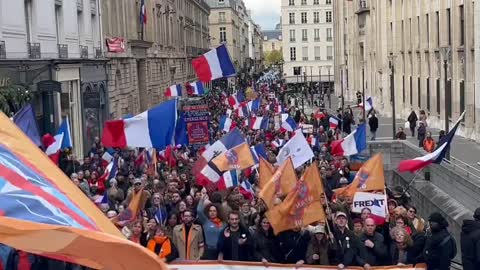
(13, 97)
(273, 58)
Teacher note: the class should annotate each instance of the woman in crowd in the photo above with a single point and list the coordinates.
(263, 242)
(401, 248)
(213, 225)
(161, 245)
(172, 221)
(418, 222)
(319, 248)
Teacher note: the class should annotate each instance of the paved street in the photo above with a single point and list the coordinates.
(464, 150)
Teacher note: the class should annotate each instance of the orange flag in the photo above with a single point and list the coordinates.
(281, 183)
(370, 177)
(237, 158)
(131, 212)
(266, 171)
(39, 203)
(302, 206)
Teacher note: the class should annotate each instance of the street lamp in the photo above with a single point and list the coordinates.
(446, 54)
(329, 89)
(391, 59)
(363, 90)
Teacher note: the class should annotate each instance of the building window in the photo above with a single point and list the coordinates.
(291, 2)
(304, 17)
(291, 17)
(223, 34)
(273, 46)
(328, 16)
(449, 27)
(293, 54)
(304, 2)
(317, 53)
(304, 35)
(221, 1)
(305, 53)
(329, 52)
(329, 34)
(292, 35)
(328, 2)
(221, 17)
(316, 2)
(316, 17)
(316, 34)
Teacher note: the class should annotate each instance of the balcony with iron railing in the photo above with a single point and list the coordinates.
(363, 6)
(62, 50)
(3, 50)
(34, 51)
(83, 52)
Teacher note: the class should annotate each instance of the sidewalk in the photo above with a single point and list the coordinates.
(462, 149)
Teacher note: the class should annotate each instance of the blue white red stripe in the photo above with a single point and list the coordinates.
(242, 110)
(197, 88)
(226, 124)
(174, 91)
(258, 123)
(333, 122)
(288, 123)
(368, 105)
(143, 13)
(436, 156)
(229, 179)
(353, 144)
(153, 128)
(214, 64)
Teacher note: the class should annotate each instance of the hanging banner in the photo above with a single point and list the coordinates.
(197, 118)
(206, 265)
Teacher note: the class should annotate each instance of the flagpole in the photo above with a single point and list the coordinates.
(410, 183)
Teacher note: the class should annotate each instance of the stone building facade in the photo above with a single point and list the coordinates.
(53, 49)
(414, 39)
(307, 31)
(155, 58)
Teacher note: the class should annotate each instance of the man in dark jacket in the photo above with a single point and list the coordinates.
(347, 245)
(440, 246)
(375, 251)
(470, 242)
(373, 123)
(234, 241)
(292, 246)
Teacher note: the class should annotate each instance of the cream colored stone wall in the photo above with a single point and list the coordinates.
(365, 35)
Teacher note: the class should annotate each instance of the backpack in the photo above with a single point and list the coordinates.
(449, 240)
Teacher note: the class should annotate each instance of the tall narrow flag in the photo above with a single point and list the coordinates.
(25, 120)
(143, 13)
(143, 130)
(436, 156)
(266, 171)
(174, 91)
(39, 203)
(214, 64)
(281, 182)
(368, 104)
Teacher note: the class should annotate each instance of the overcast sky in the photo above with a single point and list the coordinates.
(266, 13)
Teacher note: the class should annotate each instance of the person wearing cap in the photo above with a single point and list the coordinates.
(319, 248)
(374, 248)
(347, 244)
(138, 187)
(470, 242)
(440, 247)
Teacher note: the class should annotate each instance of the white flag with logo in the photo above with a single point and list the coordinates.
(297, 148)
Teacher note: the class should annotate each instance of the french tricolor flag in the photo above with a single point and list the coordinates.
(242, 110)
(174, 91)
(353, 144)
(368, 105)
(254, 105)
(197, 88)
(333, 122)
(258, 123)
(258, 151)
(61, 141)
(143, 130)
(229, 179)
(246, 190)
(214, 64)
(436, 156)
(226, 124)
(288, 123)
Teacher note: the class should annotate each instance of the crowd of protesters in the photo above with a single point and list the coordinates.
(182, 220)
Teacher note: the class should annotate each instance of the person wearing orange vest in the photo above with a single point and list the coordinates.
(162, 246)
(429, 143)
